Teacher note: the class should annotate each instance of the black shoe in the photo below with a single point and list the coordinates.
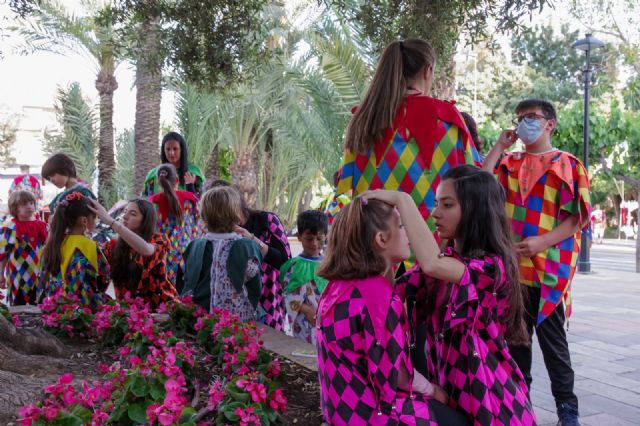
(567, 414)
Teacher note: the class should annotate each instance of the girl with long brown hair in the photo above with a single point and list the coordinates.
(470, 296)
(364, 363)
(138, 257)
(399, 137)
(178, 218)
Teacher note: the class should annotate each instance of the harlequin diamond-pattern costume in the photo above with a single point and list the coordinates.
(27, 183)
(467, 354)
(302, 286)
(272, 298)
(428, 137)
(362, 347)
(332, 205)
(84, 271)
(542, 191)
(21, 244)
(154, 286)
(179, 234)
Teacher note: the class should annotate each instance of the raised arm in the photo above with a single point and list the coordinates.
(135, 241)
(421, 238)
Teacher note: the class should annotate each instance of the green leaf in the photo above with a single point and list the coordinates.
(157, 392)
(68, 419)
(137, 413)
(139, 387)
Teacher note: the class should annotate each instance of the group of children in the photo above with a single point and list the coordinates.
(494, 233)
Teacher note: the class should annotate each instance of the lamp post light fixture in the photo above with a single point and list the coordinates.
(586, 44)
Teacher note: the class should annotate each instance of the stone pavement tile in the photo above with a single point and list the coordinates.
(611, 367)
(578, 348)
(620, 395)
(600, 404)
(618, 381)
(626, 351)
(603, 419)
(545, 417)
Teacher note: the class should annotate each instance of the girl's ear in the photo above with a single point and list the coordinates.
(381, 240)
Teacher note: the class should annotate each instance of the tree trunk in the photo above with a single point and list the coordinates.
(444, 87)
(213, 164)
(244, 175)
(268, 164)
(106, 84)
(148, 97)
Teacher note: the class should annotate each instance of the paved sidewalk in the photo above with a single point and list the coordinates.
(604, 340)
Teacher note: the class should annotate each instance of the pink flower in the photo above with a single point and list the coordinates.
(278, 401)
(216, 395)
(50, 412)
(258, 392)
(65, 379)
(165, 419)
(135, 360)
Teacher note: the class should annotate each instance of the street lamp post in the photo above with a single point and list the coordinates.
(586, 44)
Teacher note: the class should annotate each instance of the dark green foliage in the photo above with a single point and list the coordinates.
(208, 43)
(440, 22)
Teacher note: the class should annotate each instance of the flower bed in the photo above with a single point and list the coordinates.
(156, 377)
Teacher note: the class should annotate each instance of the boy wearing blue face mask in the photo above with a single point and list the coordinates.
(547, 201)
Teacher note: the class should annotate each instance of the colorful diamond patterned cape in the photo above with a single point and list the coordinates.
(362, 348)
(428, 137)
(151, 185)
(27, 183)
(302, 286)
(268, 228)
(21, 244)
(543, 191)
(332, 204)
(153, 286)
(467, 354)
(179, 234)
(84, 272)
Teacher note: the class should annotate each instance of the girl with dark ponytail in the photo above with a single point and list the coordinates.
(71, 261)
(178, 218)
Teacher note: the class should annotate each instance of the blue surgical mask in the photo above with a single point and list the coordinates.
(529, 130)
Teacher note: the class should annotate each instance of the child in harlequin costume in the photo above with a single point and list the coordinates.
(266, 229)
(21, 242)
(364, 364)
(302, 286)
(71, 261)
(178, 218)
(27, 182)
(60, 170)
(469, 296)
(174, 150)
(222, 269)
(401, 139)
(548, 204)
(138, 257)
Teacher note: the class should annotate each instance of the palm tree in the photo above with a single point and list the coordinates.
(148, 98)
(78, 136)
(55, 29)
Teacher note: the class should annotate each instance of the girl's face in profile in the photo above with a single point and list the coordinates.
(397, 246)
(447, 212)
(132, 217)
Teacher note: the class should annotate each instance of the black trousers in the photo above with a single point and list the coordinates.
(555, 350)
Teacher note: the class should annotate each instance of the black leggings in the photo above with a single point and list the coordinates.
(447, 416)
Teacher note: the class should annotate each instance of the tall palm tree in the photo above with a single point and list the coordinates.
(148, 98)
(78, 122)
(53, 28)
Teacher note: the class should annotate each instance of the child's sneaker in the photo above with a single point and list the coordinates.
(567, 414)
